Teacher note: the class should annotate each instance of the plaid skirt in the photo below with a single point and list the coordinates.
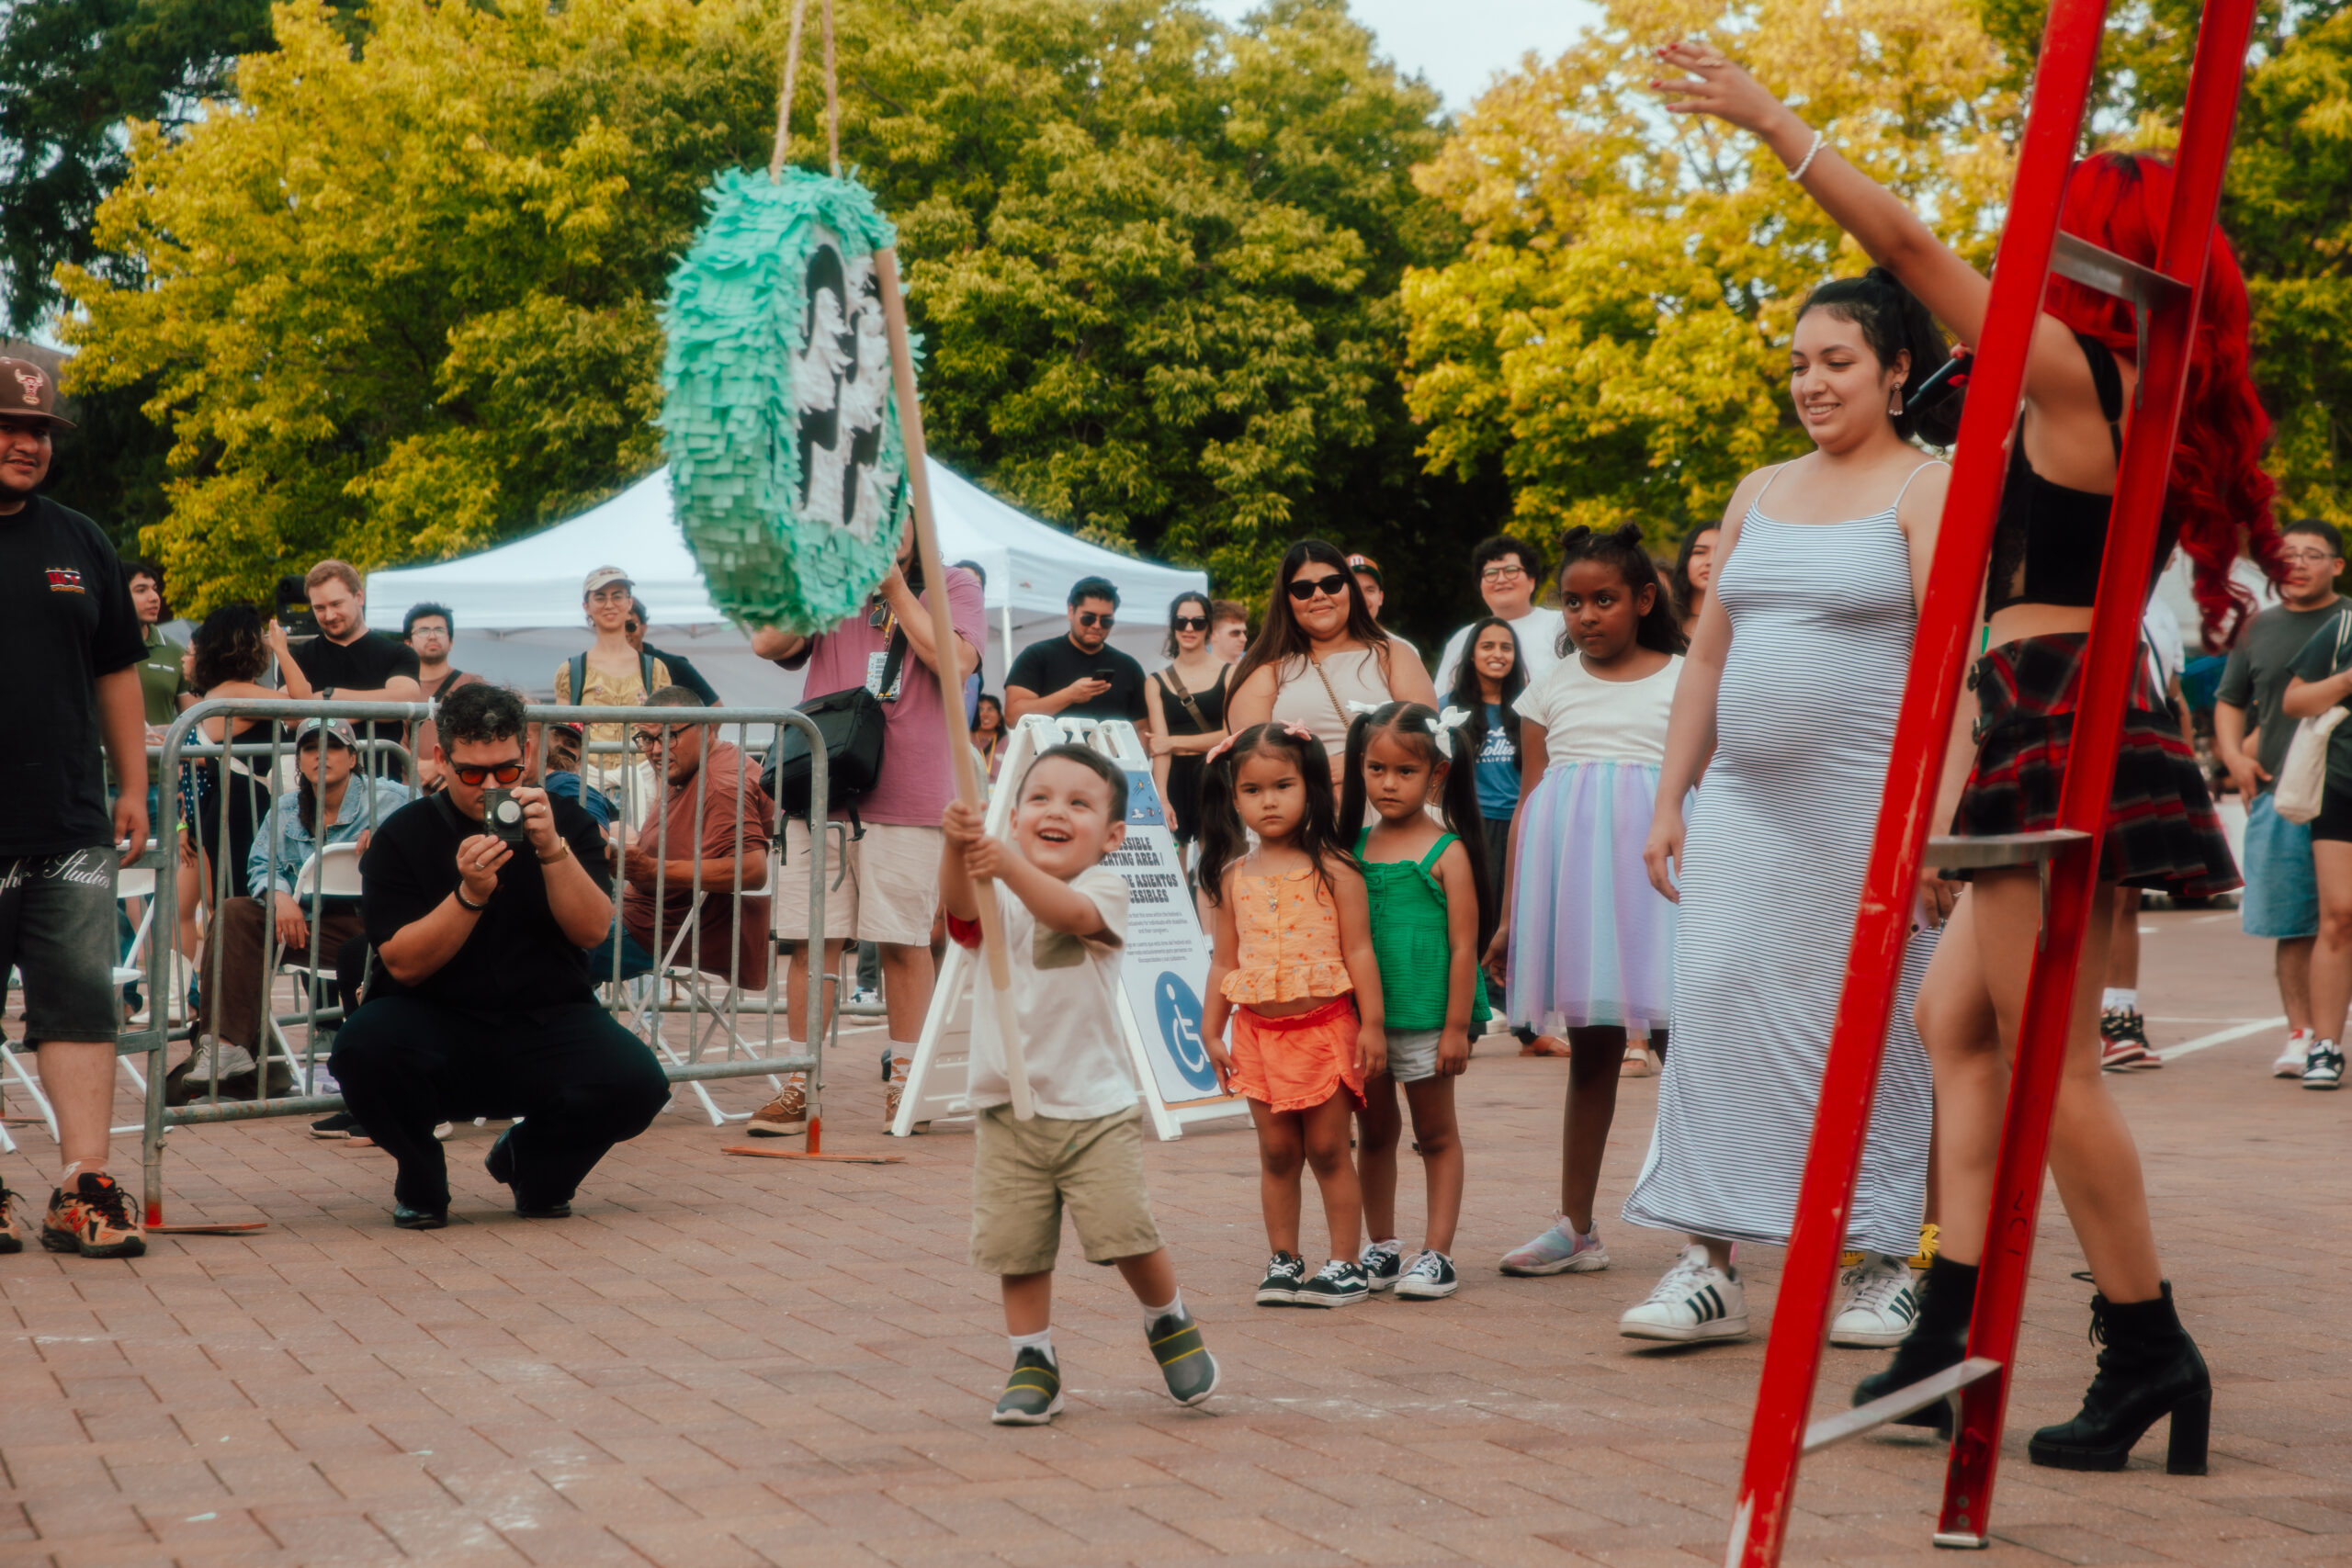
(2161, 827)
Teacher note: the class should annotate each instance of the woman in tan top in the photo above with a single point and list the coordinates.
(614, 675)
(1318, 650)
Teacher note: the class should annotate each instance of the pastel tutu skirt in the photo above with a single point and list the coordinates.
(1591, 938)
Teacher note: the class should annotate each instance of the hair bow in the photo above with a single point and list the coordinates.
(1297, 730)
(1441, 729)
(1357, 705)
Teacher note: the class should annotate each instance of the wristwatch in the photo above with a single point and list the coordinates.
(562, 850)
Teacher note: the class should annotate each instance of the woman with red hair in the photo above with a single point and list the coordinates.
(2162, 829)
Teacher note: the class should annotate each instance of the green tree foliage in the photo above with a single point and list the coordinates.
(398, 303)
(1612, 337)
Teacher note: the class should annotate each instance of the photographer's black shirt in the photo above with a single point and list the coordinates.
(65, 619)
(1046, 668)
(517, 956)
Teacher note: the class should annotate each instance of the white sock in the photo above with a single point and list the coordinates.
(1041, 1340)
(2120, 999)
(1175, 1305)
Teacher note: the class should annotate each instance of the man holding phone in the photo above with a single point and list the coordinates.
(1078, 675)
(482, 1004)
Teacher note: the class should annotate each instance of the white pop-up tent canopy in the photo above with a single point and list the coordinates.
(518, 612)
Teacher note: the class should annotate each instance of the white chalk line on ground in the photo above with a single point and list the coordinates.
(2223, 1036)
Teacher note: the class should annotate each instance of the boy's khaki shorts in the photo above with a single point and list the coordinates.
(1024, 1173)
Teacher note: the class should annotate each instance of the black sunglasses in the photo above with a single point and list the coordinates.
(504, 773)
(1332, 587)
(1191, 623)
(1089, 618)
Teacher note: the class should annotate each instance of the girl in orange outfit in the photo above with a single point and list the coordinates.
(1293, 951)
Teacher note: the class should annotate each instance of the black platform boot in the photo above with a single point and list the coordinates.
(1938, 1339)
(2148, 1368)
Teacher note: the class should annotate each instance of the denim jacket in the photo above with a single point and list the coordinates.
(282, 845)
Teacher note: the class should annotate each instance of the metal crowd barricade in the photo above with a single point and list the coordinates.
(710, 1017)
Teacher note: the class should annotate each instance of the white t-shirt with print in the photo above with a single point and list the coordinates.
(1539, 645)
(1063, 988)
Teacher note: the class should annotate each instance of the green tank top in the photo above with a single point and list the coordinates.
(1410, 939)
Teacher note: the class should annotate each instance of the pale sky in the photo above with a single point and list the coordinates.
(1459, 44)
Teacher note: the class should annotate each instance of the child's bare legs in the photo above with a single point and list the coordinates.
(1596, 1055)
(1431, 1101)
(1151, 1275)
(1317, 1137)
(1281, 1151)
(1378, 1129)
(1029, 1302)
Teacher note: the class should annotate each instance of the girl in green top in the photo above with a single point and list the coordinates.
(1432, 913)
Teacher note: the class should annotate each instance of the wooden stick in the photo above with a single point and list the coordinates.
(951, 686)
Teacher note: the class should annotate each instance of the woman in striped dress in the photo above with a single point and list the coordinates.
(1783, 718)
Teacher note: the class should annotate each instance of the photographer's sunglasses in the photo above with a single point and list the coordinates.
(1332, 587)
(471, 777)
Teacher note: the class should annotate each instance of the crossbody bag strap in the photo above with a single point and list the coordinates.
(1174, 684)
(1338, 708)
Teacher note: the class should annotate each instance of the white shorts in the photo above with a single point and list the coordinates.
(890, 893)
(1412, 1054)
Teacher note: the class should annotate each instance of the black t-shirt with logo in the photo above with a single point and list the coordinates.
(1046, 668)
(65, 619)
(367, 664)
(516, 956)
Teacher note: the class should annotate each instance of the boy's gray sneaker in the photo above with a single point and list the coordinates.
(1033, 1394)
(1184, 1359)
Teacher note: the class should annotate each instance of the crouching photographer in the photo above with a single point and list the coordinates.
(481, 1005)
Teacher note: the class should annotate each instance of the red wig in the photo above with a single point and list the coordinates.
(2119, 201)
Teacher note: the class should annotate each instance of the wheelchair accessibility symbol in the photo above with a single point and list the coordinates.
(1179, 1013)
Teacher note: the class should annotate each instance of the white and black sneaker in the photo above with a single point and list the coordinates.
(2323, 1066)
(1693, 1301)
(1339, 1283)
(1430, 1279)
(1880, 1303)
(1284, 1276)
(1383, 1262)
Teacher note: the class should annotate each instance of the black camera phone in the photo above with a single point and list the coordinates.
(294, 608)
(501, 814)
(1106, 674)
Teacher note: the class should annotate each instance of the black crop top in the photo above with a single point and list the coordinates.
(2049, 540)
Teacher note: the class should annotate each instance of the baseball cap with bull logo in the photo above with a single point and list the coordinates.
(29, 392)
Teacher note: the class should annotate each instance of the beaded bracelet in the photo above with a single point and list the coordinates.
(1810, 154)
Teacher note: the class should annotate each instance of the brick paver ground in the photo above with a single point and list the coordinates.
(722, 1361)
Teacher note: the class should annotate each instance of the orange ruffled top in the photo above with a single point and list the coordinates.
(1290, 939)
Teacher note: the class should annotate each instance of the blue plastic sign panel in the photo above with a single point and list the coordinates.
(1166, 966)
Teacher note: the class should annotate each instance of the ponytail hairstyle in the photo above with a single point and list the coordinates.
(1894, 322)
(1417, 729)
(1468, 694)
(1225, 841)
(2121, 202)
(1622, 550)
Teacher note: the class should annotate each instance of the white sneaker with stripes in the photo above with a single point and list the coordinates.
(1879, 1303)
(1693, 1301)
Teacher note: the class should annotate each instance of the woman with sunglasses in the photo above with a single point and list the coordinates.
(1186, 700)
(1319, 650)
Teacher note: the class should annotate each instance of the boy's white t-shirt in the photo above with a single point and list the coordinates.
(1062, 991)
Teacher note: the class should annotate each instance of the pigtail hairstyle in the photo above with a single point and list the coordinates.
(1468, 694)
(1414, 727)
(2120, 201)
(1225, 841)
(1894, 323)
(1622, 550)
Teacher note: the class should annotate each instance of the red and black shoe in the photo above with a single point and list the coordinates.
(96, 1220)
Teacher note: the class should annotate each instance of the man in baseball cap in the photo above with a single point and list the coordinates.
(72, 643)
(1367, 576)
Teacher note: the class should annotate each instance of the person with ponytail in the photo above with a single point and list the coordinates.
(1782, 721)
(2047, 552)
(1432, 910)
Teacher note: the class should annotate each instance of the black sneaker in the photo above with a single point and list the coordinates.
(342, 1124)
(1184, 1360)
(1383, 1265)
(1430, 1279)
(1284, 1276)
(1033, 1394)
(9, 1240)
(1339, 1283)
(2324, 1066)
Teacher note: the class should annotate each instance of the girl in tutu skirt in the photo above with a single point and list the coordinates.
(1584, 933)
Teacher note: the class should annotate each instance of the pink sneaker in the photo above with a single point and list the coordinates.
(1559, 1250)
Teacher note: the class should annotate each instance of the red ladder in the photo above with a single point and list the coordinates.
(2166, 301)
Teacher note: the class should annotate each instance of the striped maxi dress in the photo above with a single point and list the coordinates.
(1779, 837)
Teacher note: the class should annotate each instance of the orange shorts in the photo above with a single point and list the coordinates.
(1296, 1064)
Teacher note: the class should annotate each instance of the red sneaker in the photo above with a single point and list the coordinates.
(2123, 1041)
(96, 1221)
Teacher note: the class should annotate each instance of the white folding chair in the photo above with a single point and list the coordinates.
(138, 881)
(716, 995)
(330, 873)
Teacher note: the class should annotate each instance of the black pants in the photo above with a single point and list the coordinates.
(580, 1082)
